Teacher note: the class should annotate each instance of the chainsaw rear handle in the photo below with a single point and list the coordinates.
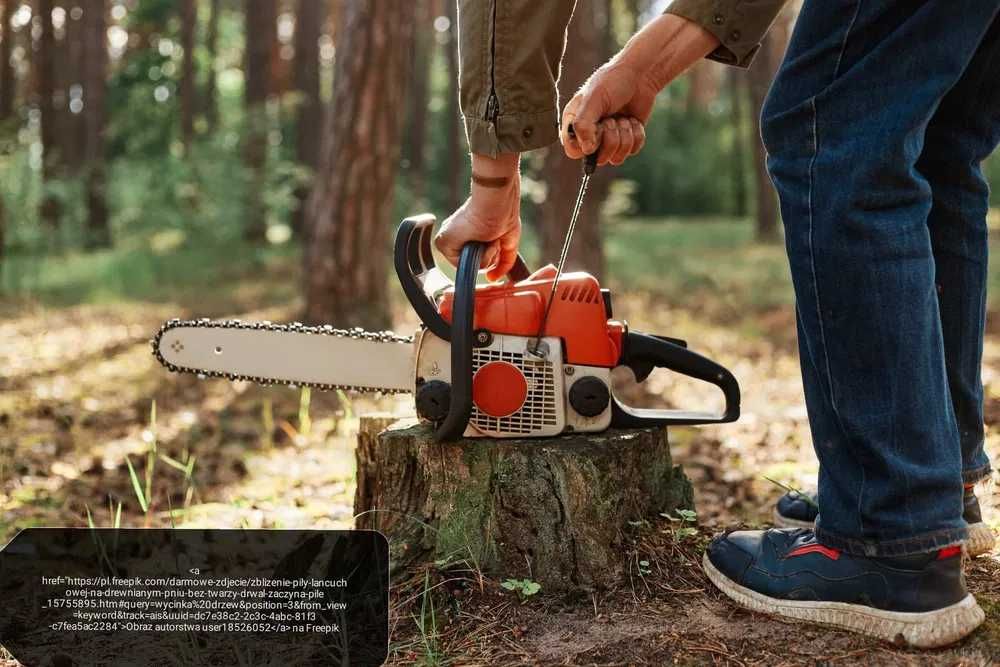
(643, 353)
(420, 278)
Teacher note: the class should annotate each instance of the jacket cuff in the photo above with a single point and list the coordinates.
(722, 18)
(512, 133)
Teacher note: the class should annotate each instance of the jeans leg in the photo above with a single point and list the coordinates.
(963, 132)
(844, 126)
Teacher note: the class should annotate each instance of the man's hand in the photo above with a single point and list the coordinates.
(491, 214)
(614, 104)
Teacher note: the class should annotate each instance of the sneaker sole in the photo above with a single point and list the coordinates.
(781, 521)
(930, 629)
(981, 539)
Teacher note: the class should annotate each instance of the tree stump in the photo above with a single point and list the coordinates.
(553, 510)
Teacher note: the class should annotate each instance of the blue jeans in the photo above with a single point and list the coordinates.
(876, 126)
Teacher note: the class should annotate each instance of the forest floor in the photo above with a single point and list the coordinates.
(76, 397)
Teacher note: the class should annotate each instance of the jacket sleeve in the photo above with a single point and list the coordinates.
(509, 55)
(740, 25)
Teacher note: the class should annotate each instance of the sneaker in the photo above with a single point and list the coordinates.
(796, 509)
(917, 601)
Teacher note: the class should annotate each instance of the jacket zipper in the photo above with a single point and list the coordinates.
(493, 102)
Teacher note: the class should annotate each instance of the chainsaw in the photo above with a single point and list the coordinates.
(531, 356)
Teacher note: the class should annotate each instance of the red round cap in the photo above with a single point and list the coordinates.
(499, 389)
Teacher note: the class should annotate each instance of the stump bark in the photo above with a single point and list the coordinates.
(553, 510)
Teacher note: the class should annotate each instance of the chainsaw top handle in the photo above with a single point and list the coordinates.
(422, 281)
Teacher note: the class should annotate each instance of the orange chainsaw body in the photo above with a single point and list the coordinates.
(579, 314)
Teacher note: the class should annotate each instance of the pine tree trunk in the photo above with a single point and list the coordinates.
(760, 75)
(737, 164)
(552, 510)
(95, 65)
(586, 50)
(349, 212)
(309, 19)
(50, 208)
(261, 25)
(416, 115)
(7, 81)
(212, 48)
(454, 127)
(189, 21)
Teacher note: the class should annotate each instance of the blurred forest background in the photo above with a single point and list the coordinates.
(251, 158)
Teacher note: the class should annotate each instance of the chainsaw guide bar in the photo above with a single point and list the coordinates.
(357, 334)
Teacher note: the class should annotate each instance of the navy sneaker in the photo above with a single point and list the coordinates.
(917, 601)
(796, 509)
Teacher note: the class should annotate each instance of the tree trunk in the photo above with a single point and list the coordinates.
(189, 21)
(552, 510)
(737, 164)
(7, 81)
(261, 26)
(50, 208)
(95, 65)
(455, 137)
(587, 49)
(759, 79)
(348, 216)
(416, 115)
(212, 47)
(309, 123)
(70, 81)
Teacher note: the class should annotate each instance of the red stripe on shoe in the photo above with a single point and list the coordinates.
(950, 552)
(832, 554)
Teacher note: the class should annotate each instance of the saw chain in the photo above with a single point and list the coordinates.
(387, 337)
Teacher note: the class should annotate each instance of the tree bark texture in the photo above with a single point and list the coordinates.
(759, 78)
(416, 114)
(309, 19)
(349, 214)
(454, 126)
(552, 510)
(261, 28)
(94, 115)
(7, 80)
(587, 48)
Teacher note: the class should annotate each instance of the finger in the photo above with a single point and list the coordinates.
(446, 246)
(610, 140)
(627, 139)
(490, 256)
(508, 254)
(588, 116)
(638, 134)
(571, 145)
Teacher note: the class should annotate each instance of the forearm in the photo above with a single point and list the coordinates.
(664, 48)
(738, 25)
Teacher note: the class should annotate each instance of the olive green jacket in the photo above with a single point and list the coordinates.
(510, 50)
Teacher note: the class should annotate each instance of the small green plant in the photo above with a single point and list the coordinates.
(687, 520)
(524, 588)
(644, 568)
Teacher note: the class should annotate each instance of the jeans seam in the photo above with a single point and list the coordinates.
(843, 45)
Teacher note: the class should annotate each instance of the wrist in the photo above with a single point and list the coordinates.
(504, 164)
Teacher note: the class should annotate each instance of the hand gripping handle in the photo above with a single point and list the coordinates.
(643, 353)
(419, 276)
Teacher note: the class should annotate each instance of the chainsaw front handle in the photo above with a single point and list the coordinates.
(643, 353)
(422, 280)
